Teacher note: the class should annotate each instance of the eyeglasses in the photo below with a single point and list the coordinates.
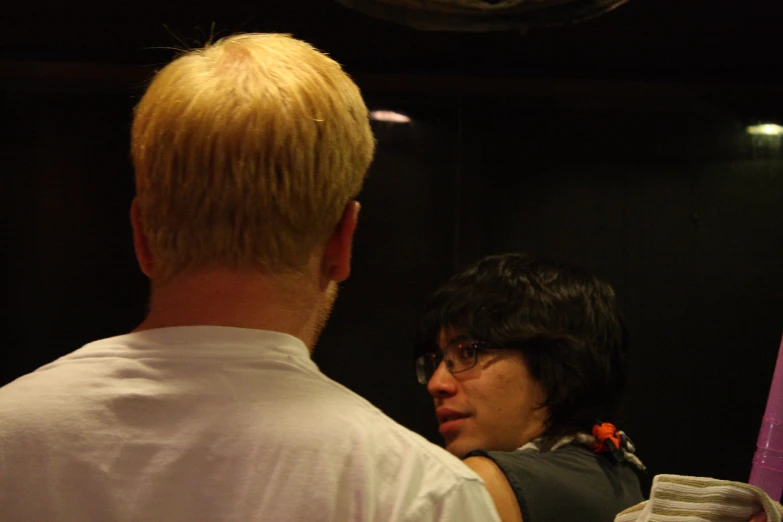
(459, 357)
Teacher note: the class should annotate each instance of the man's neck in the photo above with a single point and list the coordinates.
(289, 304)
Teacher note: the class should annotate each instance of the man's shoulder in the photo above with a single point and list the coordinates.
(541, 480)
(532, 461)
(39, 397)
(354, 417)
(422, 479)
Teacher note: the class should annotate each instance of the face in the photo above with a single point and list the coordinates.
(492, 406)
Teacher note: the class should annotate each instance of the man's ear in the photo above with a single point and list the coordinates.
(337, 256)
(143, 255)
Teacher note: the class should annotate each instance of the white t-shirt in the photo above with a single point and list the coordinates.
(214, 423)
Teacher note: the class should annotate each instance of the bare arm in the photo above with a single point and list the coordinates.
(498, 487)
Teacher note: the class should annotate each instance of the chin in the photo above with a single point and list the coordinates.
(459, 450)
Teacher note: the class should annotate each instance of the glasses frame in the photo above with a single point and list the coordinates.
(426, 367)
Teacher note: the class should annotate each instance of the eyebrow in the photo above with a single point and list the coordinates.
(460, 338)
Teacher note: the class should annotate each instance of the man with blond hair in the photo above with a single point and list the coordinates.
(248, 155)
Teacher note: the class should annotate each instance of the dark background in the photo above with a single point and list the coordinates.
(618, 144)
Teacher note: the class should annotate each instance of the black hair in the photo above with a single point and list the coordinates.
(565, 321)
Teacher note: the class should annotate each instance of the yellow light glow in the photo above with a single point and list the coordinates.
(391, 116)
(765, 129)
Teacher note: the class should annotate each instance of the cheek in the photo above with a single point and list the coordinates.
(500, 400)
(513, 396)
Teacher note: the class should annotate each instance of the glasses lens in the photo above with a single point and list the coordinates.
(424, 368)
(464, 355)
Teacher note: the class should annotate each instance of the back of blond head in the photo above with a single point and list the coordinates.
(246, 152)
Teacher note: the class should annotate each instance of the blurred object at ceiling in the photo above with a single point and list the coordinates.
(483, 15)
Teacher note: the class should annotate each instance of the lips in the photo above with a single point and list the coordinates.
(450, 421)
(448, 415)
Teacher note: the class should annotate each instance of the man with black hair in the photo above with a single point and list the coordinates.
(526, 362)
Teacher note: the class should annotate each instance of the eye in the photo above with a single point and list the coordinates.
(468, 351)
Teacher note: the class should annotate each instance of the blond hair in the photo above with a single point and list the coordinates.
(246, 153)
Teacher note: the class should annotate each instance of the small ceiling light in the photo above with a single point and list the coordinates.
(394, 117)
(765, 129)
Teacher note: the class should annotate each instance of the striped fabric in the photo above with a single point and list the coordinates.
(701, 499)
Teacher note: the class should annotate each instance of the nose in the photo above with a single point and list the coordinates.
(442, 383)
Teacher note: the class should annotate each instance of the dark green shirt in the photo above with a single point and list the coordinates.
(567, 484)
